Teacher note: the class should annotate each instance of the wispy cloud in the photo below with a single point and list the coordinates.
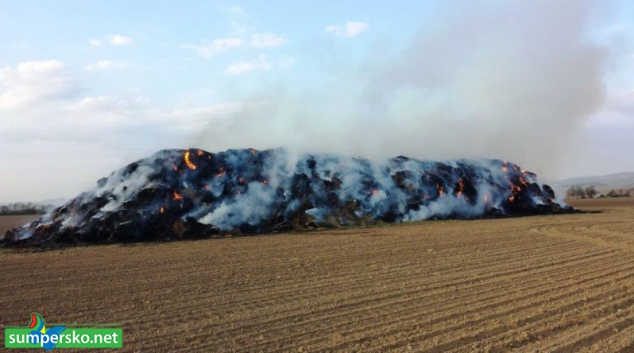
(236, 11)
(348, 30)
(222, 45)
(117, 40)
(241, 67)
(105, 65)
(215, 47)
(111, 39)
(264, 40)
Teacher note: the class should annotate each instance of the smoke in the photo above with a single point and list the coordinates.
(501, 79)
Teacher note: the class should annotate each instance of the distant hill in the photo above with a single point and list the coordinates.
(601, 182)
(53, 202)
(48, 202)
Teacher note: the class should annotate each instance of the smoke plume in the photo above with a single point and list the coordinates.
(500, 79)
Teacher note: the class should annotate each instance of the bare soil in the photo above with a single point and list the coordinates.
(548, 284)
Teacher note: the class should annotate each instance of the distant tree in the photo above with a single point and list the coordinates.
(570, 193)
(20, 208)
(575, 192)
(613, 193)
(591, 192)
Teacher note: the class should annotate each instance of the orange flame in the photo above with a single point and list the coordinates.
(515, 189)
(522, 181)
(200, 153)
(264, 182)
(177, 196)
(189, 163)
(460, 188)
(441, 190)
(161, 210)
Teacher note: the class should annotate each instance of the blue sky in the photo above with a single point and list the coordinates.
(86, 86)
(162, 57)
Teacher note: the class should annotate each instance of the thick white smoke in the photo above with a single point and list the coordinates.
(496, 79)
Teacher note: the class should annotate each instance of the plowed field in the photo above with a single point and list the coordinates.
(547, 284)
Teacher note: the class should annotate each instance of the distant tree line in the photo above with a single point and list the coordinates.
(589, 192)
(23, 208)
(620, 192)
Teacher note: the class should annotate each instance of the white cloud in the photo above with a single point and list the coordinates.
(354, 28)
(264, 40)
(215, 47)
(33, 82)
(116, 39)
(239, 68)
(236, 11)
(222, 45)
(104, 112)
(94, 42)
(105, 65)
(348, 30)
(332, 28)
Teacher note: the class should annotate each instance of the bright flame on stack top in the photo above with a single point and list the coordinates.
(177, 196)
(188, 161)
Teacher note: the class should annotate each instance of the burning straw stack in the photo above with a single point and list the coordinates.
(185, 194)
